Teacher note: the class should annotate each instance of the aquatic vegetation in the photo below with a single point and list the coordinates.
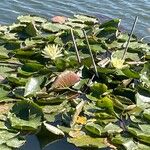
(69, 78)
(52, 52)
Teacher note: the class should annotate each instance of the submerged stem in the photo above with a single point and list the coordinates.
(131, 33)
(95, 68)
(75, 46)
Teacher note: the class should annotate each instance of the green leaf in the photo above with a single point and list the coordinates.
(17, 81)
(93, 128)
(29, 18)
(25, 115)
(141, 135)
(98, 89)
(130, 145)
(112, 128)
(31, 29)
(143, 146)
(145, 74)
(4, 147)
(86, 19)
(53, 27)
(5, 135)
(3, 93)
(33, 86)
(32, 67)
(15, 142)
(3, 52)
(3, 28)
(129, 55)
(5, 71)
(112, 23)
(17, 27)
(130, 73)
(87, 141)
(97, 48)
(105, 102)
(143, 99)
(146, 114)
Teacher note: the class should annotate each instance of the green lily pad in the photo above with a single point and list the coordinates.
(97, 89)
(145, 75)
(53, 27)
(112, 128)
(29, 18)
(33, 86)
(31, 29)
(146, 114)
(25, 115)
(93, 128)
(87, 141)
(87, 19)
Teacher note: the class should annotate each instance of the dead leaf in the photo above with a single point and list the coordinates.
(65, 79)
(59, 19)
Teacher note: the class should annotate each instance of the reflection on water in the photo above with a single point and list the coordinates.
(33, 144)
(126, 10)
(60, 145)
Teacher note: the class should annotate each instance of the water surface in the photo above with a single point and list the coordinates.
(124, 9)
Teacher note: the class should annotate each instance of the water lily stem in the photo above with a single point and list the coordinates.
(95, 68)
(75, 46)
(131, 33)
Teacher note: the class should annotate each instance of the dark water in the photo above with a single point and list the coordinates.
(124, 9)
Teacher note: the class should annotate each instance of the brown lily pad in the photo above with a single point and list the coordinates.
(59, 19)
(65, 79)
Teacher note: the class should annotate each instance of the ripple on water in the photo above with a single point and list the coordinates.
(123, 9)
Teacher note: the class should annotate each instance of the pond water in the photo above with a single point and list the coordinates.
(126, 10)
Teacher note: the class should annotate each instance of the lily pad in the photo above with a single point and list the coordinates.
(25, 115)
(87, 141)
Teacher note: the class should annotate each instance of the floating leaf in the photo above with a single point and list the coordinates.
(130, 73)
(29, 18)
(59, 19)
(15, 142)
(105, 102)
(53, 129)
(87, 141)
(87, 19)
(31, 29)
(5, 147)
(65, 79)
(94, 128)
(145, 75)
(33, 86)
(77, 133)
(112, 23)
(112, 128)
(53, 27)
(146, 114)
(78, 110)
(98, 89)
(25, 115)
(141, 135)
(143, 99)
(130, 145)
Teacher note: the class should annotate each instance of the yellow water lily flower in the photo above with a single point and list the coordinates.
(81, 120)
(117, 63)
(52, 52)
